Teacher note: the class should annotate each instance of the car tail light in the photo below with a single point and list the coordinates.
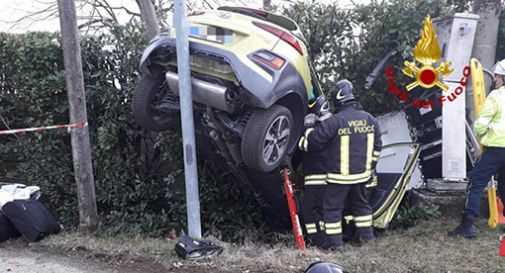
(269, 59)
(285, 36)
(195, 13)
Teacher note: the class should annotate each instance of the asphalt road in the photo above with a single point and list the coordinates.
(21, 260)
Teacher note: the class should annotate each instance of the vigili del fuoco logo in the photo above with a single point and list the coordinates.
(428, 75)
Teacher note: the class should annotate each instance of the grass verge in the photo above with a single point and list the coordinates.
(423, 248)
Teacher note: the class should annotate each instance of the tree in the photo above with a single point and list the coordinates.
(486, 36)
(149, 18)
(81, 150)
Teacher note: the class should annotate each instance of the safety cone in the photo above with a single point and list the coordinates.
(501, 218)
(502, 246)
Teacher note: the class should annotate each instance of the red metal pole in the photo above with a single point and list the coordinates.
(293, 210)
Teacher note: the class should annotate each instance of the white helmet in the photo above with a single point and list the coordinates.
(499, 67)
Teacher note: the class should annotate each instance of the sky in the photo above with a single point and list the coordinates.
(12, 10)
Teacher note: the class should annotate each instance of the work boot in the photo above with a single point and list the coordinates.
(366, 237)
(466, 228)
(333, 243)
(317, 239)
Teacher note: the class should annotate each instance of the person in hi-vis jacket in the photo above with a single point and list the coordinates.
(490, 128)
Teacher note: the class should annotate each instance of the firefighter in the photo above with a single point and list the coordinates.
(314, 181)
(352, 139)
(490, 128)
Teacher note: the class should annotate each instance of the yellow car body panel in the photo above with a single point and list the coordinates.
(243, 42)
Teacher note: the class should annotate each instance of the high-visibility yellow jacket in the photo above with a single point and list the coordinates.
(490, 126)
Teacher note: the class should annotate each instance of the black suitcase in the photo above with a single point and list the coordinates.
(31, 218)
(7, 229)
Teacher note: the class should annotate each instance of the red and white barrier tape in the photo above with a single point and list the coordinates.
(44, 128)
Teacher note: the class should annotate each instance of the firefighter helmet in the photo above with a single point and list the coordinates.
(499, 68)
(341, 93)
(325, 267)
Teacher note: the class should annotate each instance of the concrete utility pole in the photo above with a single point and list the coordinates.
(81, 151)
(486, 38)
(148, 16)
(188, 129)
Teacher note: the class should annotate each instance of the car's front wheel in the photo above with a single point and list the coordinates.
(148, 100)
(266, 138)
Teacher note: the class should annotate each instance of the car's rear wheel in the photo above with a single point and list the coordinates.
(266, 138)
(148, 99)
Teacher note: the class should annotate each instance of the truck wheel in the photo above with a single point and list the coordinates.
(147, 97)
(266, 138)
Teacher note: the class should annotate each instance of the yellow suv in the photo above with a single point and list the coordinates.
(251, 79)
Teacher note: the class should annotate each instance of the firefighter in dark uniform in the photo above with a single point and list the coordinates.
(352, 139)
(314, 184)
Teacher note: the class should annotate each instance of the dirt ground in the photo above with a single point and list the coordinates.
(423, 248)
(18, 257)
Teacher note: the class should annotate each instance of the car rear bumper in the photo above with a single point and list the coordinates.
(257, 90)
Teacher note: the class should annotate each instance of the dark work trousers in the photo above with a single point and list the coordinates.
(312, 209)
(348, 227)
(333, 204)
(491, 162)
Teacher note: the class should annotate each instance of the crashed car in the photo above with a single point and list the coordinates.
(252, 85)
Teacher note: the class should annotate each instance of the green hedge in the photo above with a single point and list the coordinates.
(138, 175)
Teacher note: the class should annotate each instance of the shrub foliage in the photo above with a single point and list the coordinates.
(138, 175)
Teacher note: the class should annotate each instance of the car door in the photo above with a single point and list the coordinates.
(394, 169)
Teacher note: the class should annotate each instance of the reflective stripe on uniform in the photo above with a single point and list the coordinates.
(364, 224)
(350, 178)
(321, 225)
(362, 218)
(315, 179)
(311, 228)
(348, 218)
(333, 228)
(314, 182)
(363, 221)
(344, 155)
(337, 181)
(369, 150)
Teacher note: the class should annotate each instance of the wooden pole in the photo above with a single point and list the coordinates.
(81, 151)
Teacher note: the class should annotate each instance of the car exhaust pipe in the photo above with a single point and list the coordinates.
(203, 92)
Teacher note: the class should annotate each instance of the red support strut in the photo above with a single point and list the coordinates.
(293, 210)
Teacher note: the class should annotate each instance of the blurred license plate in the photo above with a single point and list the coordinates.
(214, 34)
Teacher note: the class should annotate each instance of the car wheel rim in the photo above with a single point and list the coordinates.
(276, 140)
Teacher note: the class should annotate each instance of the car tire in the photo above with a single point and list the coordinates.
(147, 91)
(266, 138)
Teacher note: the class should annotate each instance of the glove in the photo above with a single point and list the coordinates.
(309, 120)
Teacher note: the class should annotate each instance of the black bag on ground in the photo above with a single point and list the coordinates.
(192, 249)
(7, 229)
(31, 218)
